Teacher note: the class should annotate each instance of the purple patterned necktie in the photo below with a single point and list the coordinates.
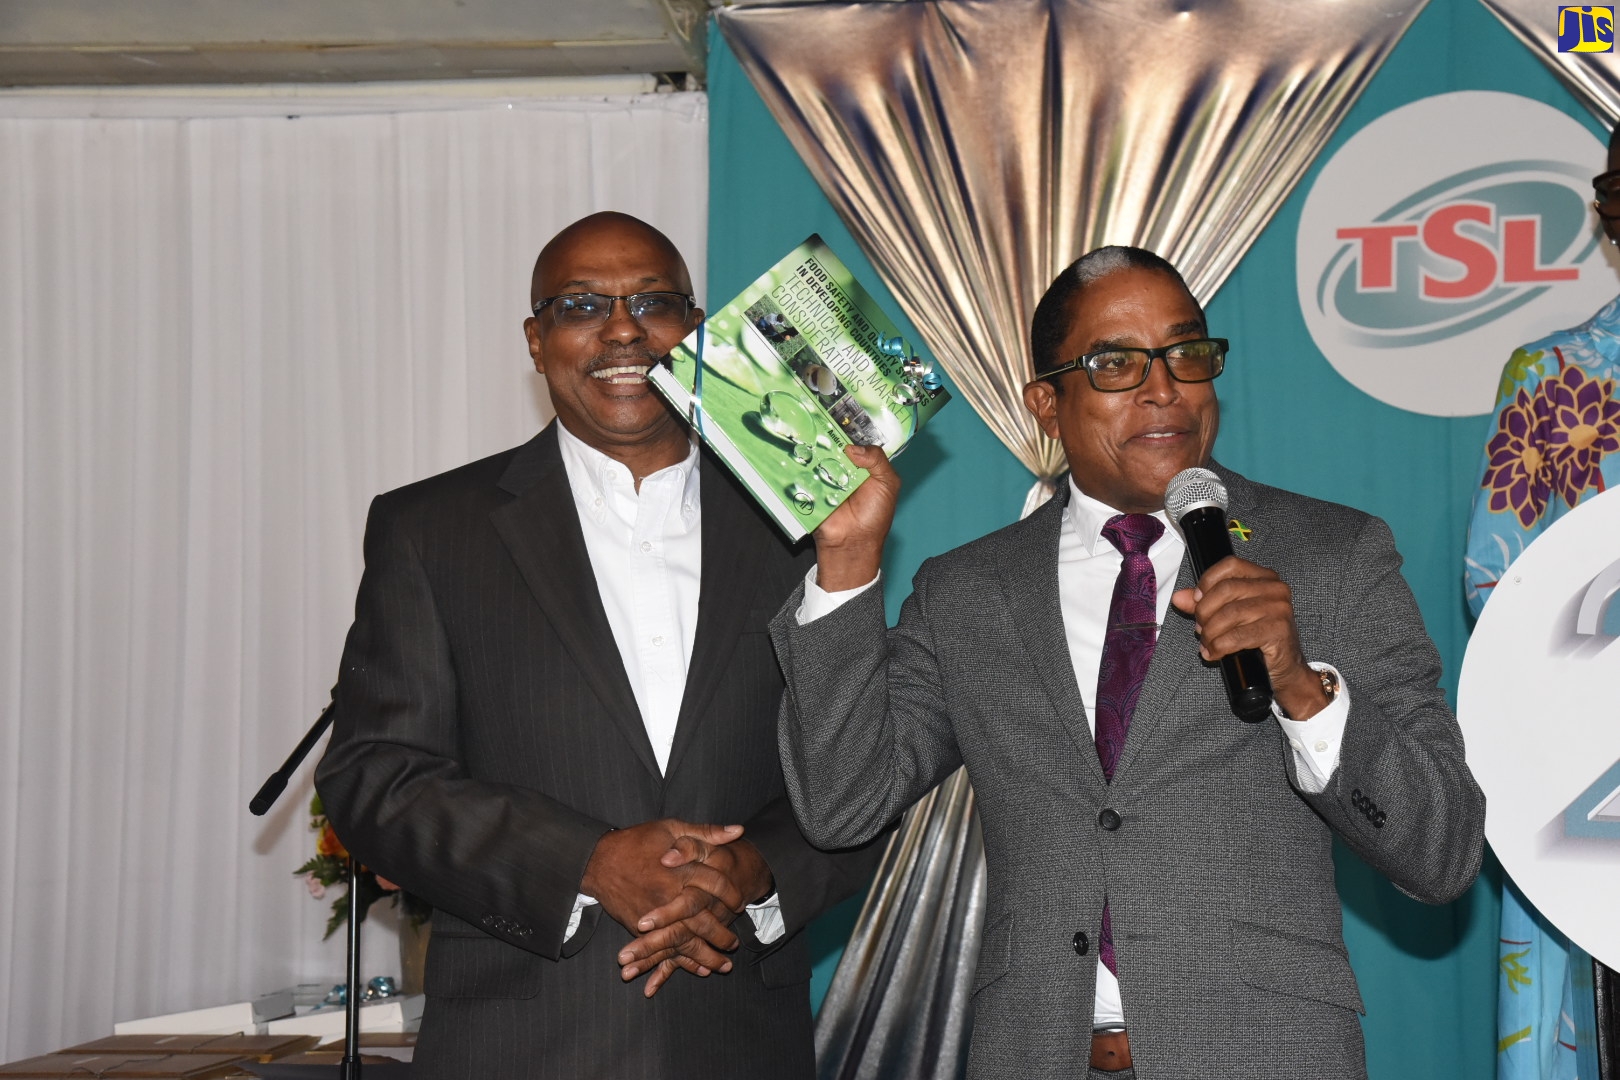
(1127, 650)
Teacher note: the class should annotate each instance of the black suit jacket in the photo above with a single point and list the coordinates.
(486, 736)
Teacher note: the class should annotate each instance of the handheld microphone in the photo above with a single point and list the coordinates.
(1196, 500)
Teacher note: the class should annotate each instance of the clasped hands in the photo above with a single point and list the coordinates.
(678, 885)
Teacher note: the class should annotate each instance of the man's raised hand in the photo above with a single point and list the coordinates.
(849, 544)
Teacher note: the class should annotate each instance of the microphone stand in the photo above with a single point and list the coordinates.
(349, 1067)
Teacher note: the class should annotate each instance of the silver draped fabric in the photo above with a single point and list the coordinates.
(975, 148)
(1594, 78)
(898, 1005)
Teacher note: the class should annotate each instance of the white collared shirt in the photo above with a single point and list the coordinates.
(646, 552)
(1087, 568)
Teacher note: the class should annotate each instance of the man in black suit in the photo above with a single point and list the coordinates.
(557, 702)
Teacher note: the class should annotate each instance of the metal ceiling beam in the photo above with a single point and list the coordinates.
(157, 42)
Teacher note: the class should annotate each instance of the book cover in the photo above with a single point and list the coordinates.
(131, 1066)
(402, 1012)
(260, 1047)
(800, 365)
(242, 1017)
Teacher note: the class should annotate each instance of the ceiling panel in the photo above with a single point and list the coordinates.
(146, 42)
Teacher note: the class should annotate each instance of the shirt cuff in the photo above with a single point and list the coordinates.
(818, 601)
(767, 916)
(1316, 741)
(581, 902)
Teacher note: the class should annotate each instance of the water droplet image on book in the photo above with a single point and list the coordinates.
(800, 365)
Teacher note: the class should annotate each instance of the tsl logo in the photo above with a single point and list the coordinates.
(1585, 29)
(1466, 250)
(1443, 235)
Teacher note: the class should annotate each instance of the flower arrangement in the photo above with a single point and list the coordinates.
(330, 867)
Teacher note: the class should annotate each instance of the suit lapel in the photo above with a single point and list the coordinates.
(733, 548)
(1243, 506)
(1175, 656)
(540, 527)
(1030, 579)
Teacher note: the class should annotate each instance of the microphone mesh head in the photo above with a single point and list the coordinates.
(1192, 488)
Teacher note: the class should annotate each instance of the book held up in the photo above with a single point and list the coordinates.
(800, 365)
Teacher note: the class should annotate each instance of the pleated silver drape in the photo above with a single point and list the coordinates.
(975, 148)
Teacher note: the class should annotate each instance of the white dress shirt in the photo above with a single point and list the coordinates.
(646, 552)
(1087, 568)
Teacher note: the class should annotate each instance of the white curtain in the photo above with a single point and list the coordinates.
(220, 335)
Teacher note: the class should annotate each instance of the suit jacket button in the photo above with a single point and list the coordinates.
(1081, 942)
(1109, 819)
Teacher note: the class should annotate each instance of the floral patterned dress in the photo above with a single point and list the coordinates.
(1556, 441)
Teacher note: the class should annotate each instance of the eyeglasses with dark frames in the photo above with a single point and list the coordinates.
(1125, 368)
(1606, 186)
(583, 310)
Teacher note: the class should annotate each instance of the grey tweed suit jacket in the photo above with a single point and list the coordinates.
(1219, 871)
(486, 736)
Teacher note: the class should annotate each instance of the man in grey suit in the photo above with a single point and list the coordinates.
(555, 721)
(1161, 890)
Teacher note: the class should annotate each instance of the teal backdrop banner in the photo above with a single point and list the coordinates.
(1428, 975)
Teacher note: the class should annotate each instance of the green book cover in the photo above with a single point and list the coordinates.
(800, 365)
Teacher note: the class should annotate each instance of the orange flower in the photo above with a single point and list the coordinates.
(328, 843)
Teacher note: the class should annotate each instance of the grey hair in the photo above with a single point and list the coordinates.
(1051, 322)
